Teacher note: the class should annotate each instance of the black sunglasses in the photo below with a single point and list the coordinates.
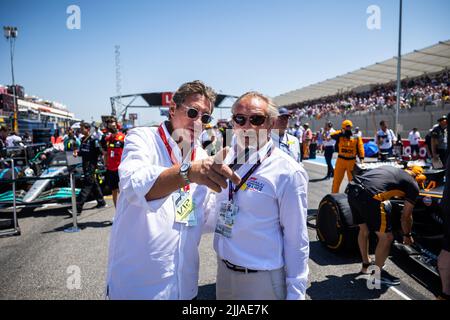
(192, 113)
(255, 120)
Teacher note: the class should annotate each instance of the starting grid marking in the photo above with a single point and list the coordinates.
(320, 161)
(401, 294)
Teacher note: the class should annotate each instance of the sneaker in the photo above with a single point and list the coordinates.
(387, 279)
(71, 212)
(101, 204)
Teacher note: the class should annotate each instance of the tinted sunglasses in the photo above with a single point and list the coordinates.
(193, 113)
(255, 120)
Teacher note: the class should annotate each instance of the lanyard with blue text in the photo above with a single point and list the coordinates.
(247, 175)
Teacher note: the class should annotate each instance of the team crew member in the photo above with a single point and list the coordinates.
(3, 135)
(348, 147)
(439, 141)
(385, 139)
(414, 137)
(164, 181)
(261, 237)
(307, 138)
(282, 139)
(13, 139)
(90, 150)
(71, 142)
(113, 144)
(444, 256)
(329, 145)
(369, 195)
(358, 132)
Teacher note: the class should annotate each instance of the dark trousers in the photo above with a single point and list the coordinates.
(442, 155)
(415, 149)
(90, 186)
(329, 150)
(301, 152)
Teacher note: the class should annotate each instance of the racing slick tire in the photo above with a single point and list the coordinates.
(335, 228)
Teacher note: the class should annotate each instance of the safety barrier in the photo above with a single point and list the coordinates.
(14, 181)
(16, 230)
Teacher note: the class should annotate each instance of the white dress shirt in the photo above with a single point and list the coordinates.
(12, 140)
(414, 137)
(331, 142)
(150, 255)
(387, 138)
(287, 143)
(270, 228)
(299, 134)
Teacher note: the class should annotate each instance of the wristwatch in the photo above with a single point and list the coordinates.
(407, 235)
(184, 171)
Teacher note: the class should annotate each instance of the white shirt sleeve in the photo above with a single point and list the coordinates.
(293, 213)
(211, 211)
(394, 138)
(139, 169)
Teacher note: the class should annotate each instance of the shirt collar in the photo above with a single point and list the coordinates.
(278, 138)
(175, 148)
(261, 154)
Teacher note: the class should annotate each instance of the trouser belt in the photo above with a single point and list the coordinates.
(237, 268)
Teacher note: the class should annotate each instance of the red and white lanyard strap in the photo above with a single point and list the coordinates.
(231, 191)
(170, 151)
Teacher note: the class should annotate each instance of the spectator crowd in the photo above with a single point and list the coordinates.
(421, 91)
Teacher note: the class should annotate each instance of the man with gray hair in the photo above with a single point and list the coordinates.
(164, 185)
(261, 238)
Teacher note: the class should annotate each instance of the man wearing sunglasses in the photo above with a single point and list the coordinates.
(164, 181)
(261, 238)
(282, 139)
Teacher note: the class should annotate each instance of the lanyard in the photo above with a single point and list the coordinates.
(169, 150)
(247, 175)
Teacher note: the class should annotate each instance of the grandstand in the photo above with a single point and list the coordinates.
(355, 95)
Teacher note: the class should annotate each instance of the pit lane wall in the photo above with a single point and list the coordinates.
(422, 118)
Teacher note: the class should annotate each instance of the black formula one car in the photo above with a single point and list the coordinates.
(336, 230)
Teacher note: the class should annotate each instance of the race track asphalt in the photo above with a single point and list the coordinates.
(44, 261)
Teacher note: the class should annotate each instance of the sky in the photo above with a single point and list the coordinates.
(233, 45)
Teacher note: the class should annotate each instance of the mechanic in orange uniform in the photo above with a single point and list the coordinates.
(348, 147)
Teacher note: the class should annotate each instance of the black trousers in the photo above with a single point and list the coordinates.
(329, 150)
(415, 149)
(443, 156)
(90, 186)
(301, 151)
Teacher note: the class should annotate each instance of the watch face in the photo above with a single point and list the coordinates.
(184, 167)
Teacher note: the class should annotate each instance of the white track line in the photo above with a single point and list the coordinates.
(314, 162)
(401, 294)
